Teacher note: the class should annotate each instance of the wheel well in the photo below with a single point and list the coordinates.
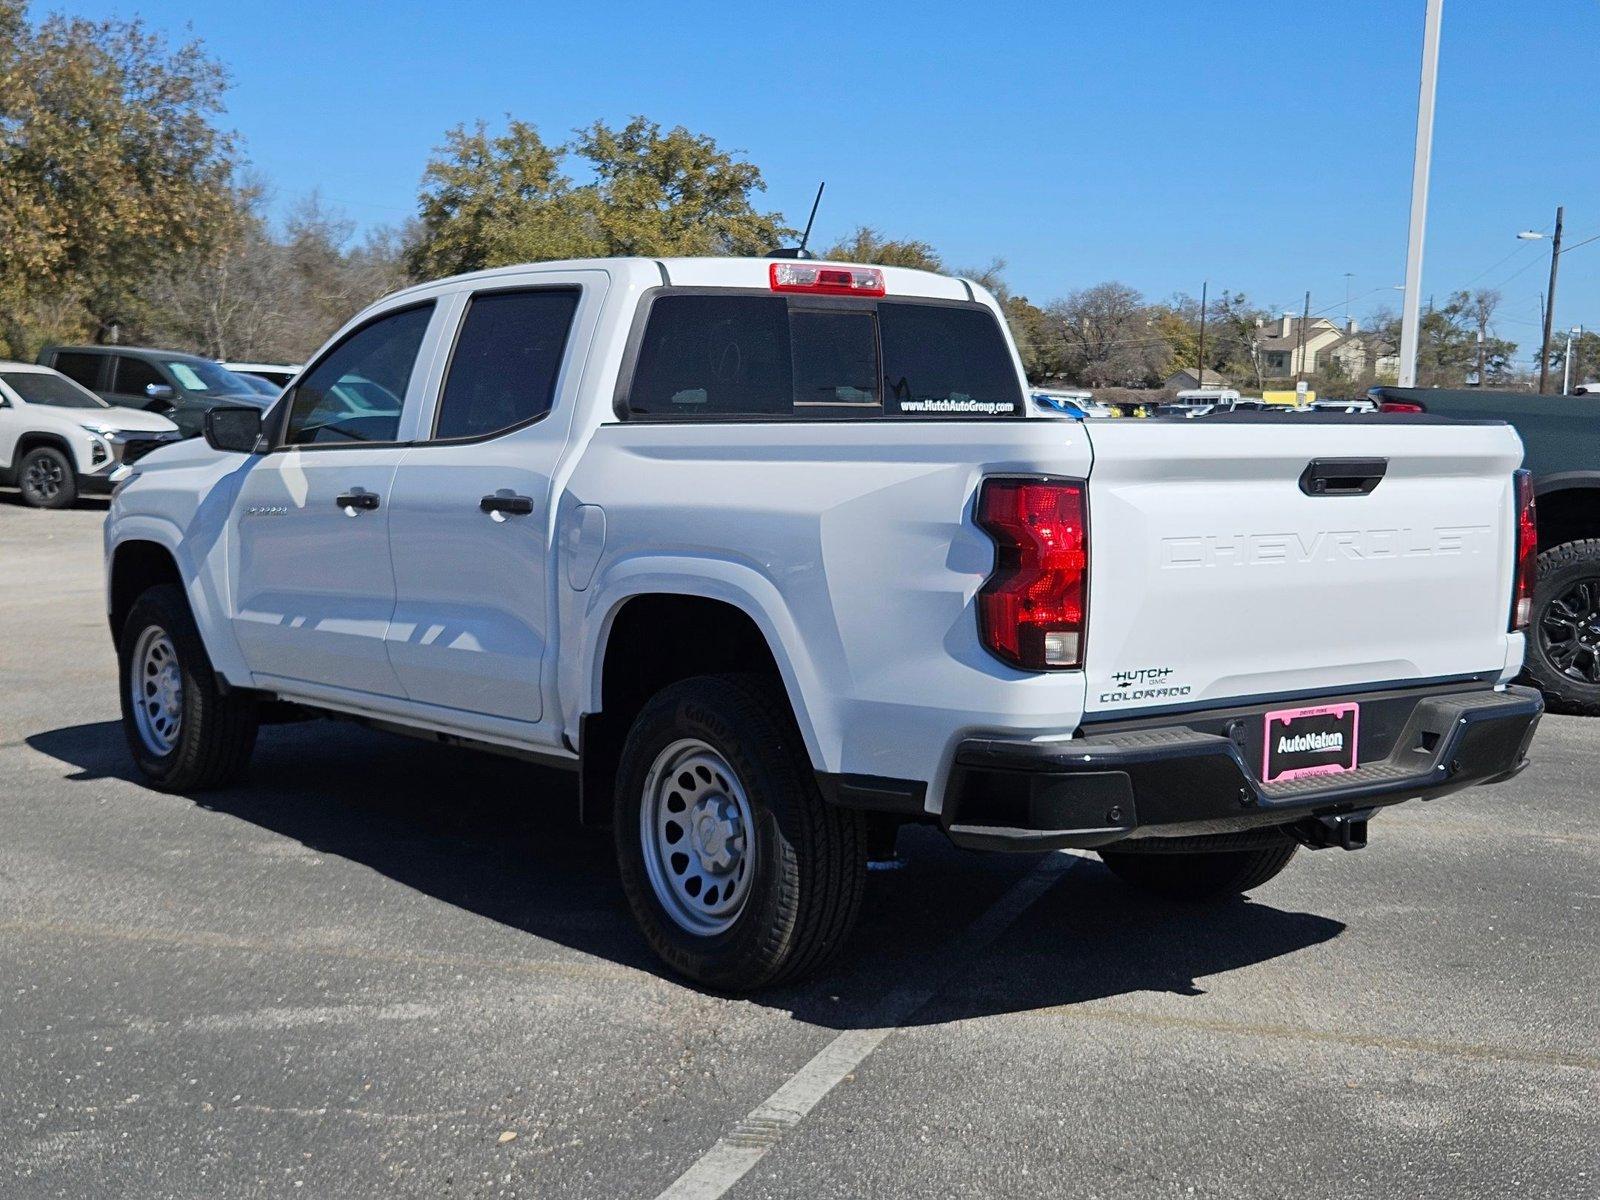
(135, 568)
(32, 441)
(1569, 515)
(657, 640)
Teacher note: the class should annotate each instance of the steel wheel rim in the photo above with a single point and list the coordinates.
(698, 836)
(44, 478)
(1569, 631)
(156, 688)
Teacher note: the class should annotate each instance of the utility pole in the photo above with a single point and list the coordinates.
(1200, 367)
(1480, 357)
(1409, 314)
(1300, 351)
(1550, 303)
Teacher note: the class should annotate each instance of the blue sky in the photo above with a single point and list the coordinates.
(1263, 146)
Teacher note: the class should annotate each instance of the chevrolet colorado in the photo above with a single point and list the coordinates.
(777, 557)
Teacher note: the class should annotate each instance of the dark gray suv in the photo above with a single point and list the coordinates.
(181, 387)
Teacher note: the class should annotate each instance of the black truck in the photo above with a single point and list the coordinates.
(1561, 437)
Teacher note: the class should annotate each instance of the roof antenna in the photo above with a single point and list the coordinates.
(800, 251)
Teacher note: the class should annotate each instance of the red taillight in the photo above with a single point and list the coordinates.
(1032, 610)
(826, 281)
(1527, 553)
(1400, 406)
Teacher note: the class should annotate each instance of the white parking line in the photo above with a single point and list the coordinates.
(722, 1166)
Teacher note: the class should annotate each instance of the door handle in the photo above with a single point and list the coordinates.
(1343, 476)
(366, 501)
(511, 506)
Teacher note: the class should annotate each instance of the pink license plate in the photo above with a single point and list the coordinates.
(1310, 741)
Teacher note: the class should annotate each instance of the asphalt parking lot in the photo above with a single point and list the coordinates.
(365, 970)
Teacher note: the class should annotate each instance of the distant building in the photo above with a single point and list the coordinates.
(1185, 380)
(1283, 356)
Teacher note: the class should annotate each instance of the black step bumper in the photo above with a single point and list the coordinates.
(1191, 779)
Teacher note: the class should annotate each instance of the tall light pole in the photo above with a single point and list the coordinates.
(1200, 367)
(1566, 360)
(1411, 309)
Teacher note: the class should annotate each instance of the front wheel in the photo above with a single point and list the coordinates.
(185, 731)
(1202, 875)
(46, 479)
(738, 872)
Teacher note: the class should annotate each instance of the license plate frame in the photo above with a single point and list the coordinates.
(1298, 743)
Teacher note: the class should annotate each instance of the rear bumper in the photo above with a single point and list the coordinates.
(1191, 779)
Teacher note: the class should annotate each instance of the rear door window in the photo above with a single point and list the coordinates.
(79, 367)
(731, 356)
(506, 360)
(133, 375)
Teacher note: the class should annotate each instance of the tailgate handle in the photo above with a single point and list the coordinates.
(1342, 476)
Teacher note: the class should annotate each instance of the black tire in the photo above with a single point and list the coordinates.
(216, 730)
(1554, 664)
(1203, 875)
(46, 479)
(809, 859)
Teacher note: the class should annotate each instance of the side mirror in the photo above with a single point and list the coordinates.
(159, 391)
(236, 430)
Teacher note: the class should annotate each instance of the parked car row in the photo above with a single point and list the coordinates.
(59, 440)
(68, 421)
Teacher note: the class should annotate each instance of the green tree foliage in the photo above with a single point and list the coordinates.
(1447, 342)
(492, 200)
(489, 201)
(111, 166)
(1585, 357)
(867, 245)
(671, 193)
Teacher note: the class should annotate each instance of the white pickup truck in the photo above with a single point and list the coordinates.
(776, 556)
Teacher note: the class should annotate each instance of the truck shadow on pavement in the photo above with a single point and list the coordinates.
(499, 839)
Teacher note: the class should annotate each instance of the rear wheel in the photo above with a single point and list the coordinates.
(1563, 658)
(46, 479)
(186, 733)
(738, 872)
(1203, 875)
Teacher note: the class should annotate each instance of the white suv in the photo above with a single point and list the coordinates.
(59, 440)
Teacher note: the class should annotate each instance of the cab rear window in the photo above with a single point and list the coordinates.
(709, 357)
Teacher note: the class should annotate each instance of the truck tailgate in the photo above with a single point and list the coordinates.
(1215, 576)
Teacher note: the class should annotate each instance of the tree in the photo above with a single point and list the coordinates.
(1585, 356)
(1110, 337)
(671, 193)
(1447, 342)
(111, 166)
(274, 296)
(867, 245)
(489, 201)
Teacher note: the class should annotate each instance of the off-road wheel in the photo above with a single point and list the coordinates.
(1563, 658)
